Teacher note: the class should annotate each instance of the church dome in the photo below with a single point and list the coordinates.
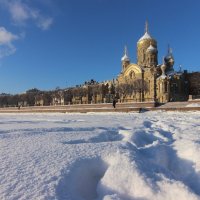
(146, 38)
(169, 58)
(151, 49)
(144, 45)
(125, 57)
(163, 68)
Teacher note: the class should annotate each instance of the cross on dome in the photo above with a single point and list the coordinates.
(169, 50)
(146, 35)
(146, 27)
(125, 50)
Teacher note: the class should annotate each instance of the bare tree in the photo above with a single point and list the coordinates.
(124, 89)
(68, 95)
(79, 92)
(83, 92)
(131, 87)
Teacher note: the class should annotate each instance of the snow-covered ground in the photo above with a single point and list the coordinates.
(193, 105)
(107, 156)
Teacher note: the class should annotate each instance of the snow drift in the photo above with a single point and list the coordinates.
(147, 156)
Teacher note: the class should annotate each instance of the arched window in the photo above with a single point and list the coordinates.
(131, 75)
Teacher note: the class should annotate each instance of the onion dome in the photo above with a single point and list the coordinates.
(125, 57)
(163, 68)
(143, 44)
(169, 58)
(151, 49)
(146, 36)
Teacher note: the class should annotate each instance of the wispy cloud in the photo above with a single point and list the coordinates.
(19, 12)
(41, 21)
(6, 42)
(22, 13)
(45, 23)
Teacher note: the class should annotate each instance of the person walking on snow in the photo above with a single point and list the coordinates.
(114, 103)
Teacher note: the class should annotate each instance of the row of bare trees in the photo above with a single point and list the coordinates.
(25, 99)
(121, 90)
(89, 91)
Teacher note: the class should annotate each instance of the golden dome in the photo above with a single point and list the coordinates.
(143, 44)
(146, 39)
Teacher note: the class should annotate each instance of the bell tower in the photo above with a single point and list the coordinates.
(125, 59)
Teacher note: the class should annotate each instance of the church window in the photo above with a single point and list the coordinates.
(131, 75)
(143, 56)
(160, 87)
(165, 89)
(149, 86)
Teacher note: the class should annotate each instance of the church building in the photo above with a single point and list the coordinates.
(160, 82)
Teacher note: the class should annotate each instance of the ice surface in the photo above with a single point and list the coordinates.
(105, 156)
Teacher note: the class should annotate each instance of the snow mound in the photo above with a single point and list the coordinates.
(109, 135)
(129, 176)
(81, 182)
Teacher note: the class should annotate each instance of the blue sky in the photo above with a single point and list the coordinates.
(61, 43)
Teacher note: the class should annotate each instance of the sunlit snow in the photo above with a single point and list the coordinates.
(107, 156)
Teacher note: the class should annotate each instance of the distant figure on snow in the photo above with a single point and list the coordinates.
(114, 103)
